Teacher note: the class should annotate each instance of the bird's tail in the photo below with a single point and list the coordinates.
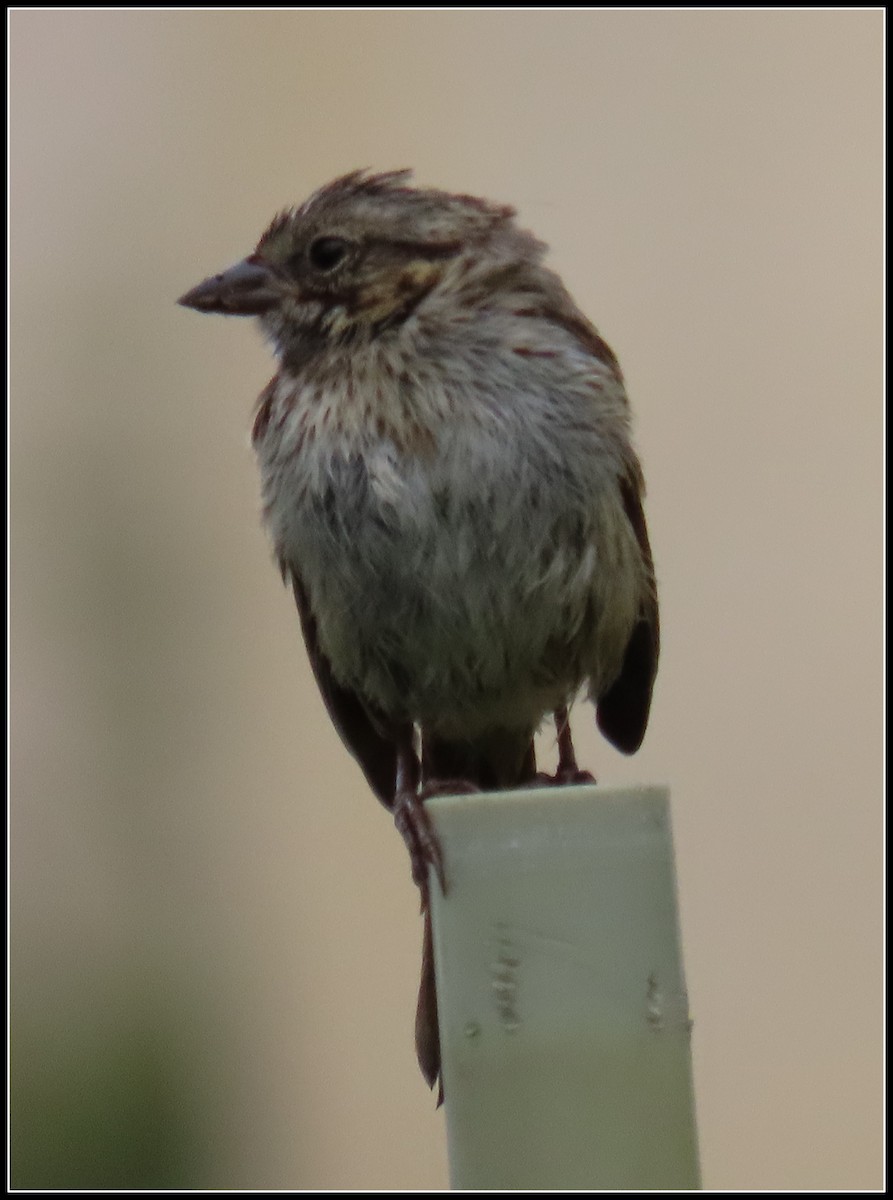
(494, 762)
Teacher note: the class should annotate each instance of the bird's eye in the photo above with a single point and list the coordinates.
(326, 253)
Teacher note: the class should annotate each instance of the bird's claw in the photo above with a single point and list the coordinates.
(573, 776)
(417, 830)
(563, 777)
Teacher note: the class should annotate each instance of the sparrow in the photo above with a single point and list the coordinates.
(451, 490)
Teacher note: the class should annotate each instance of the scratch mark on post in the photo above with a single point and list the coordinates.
(504, 981)
(655, 1003)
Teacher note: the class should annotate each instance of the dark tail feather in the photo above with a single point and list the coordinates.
(427, 1037)
(497, 761)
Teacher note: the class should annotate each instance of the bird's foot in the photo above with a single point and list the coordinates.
(417, 829)
(563, 777)
(568, 773)
(571, 776)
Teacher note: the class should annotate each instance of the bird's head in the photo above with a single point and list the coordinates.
(358, 259)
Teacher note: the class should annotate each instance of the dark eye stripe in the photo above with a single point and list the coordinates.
(429, 251)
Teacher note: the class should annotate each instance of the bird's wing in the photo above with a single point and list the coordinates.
(622, 712)
(363, 732)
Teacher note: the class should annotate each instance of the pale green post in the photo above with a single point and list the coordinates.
(563, 1012)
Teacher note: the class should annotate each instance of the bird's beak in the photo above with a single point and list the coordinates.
(248, 289)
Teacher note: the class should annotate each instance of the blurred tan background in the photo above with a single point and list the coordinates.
(215, 938)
